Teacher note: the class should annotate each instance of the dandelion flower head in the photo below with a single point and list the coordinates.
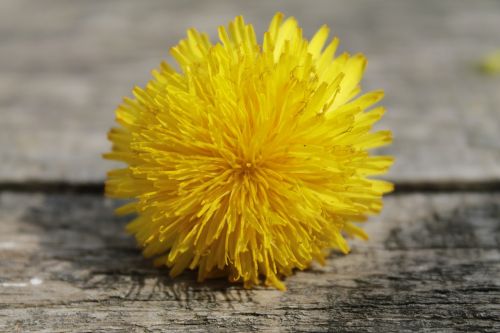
(250, 161)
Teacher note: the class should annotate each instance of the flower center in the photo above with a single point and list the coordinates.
(245, 169)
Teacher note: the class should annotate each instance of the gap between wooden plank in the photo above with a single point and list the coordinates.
(402, 187)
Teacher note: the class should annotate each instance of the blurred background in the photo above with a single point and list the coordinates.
(65, 66)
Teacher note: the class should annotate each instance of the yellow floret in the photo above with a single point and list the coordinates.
(251, 161)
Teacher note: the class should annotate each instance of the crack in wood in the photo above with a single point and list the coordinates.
(400, 187)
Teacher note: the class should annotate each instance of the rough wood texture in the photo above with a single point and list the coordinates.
(65, 65)
(433, 264)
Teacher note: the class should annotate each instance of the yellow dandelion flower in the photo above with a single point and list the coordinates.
(252, 160)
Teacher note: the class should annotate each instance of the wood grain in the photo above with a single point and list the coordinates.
(64, 67)
(432, 264)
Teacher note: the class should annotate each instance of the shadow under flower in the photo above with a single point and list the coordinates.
(83, 243)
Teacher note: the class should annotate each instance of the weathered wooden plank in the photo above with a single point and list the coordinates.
(433, 264)
(64, 67)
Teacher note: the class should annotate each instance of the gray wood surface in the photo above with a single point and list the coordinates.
(432, 264)
(65, 65)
